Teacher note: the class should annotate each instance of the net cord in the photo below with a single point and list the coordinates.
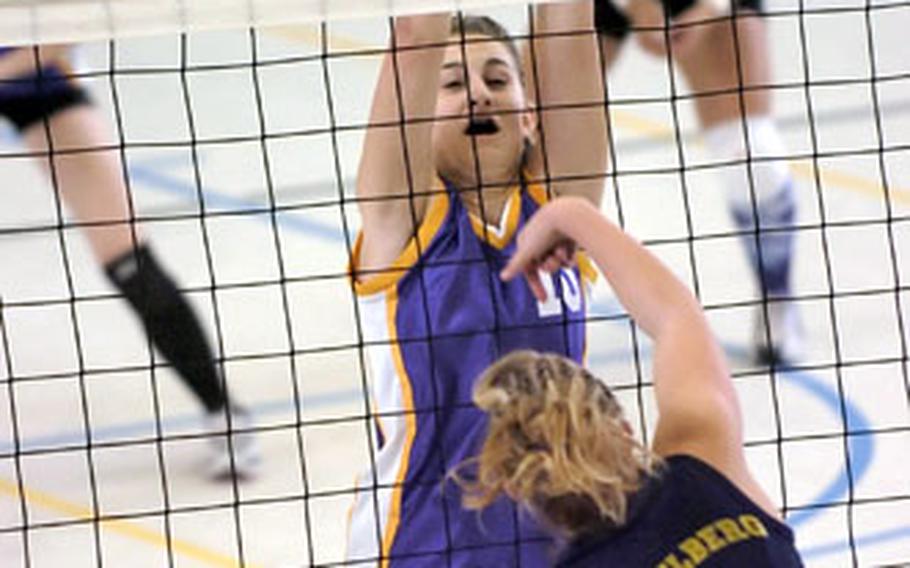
(29, 22)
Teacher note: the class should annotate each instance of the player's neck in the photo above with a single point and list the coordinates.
(488, 202)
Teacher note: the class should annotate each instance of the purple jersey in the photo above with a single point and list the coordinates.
(433, 323)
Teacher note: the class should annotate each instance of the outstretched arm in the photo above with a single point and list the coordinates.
(565, 59)
(397, 159)
(699, 412)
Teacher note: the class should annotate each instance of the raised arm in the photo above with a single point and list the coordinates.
(386, 181)
(698, 410)
(566, 70)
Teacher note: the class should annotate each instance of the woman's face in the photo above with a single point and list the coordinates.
(481, 100)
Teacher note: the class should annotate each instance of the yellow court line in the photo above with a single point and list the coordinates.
(805, 170)
(312, 35)
(802, 169)
(652, 128)
(629, 121)
(123, 528)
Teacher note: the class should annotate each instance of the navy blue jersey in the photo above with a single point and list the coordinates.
(690, 515)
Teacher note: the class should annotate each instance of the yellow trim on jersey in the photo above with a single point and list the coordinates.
(387, 278)
(585, 267)
(349, 516)
(585, 298)
(407, 401)
(500, 236)
(538, 193)
(513, 211)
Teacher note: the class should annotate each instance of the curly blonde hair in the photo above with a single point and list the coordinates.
(557, 443)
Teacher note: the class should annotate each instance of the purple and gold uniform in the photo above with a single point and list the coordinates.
(29, 99)
(433, 322)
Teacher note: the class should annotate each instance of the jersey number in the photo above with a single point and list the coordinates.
(571, 294)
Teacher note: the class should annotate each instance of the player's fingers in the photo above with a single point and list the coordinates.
(551, 263)
(566, 253)
(518, 263)
(536, 284)
(532, 243)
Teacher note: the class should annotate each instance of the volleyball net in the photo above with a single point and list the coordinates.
(239, 126)
(30, 21)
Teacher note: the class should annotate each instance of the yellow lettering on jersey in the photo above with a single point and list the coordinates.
(712, 538)
(694, 549)
(709, 536)
(671, 561)
(731, 530)
(753, 526)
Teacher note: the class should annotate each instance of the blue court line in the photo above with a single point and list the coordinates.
(8, 135)
(861, 448)
(173, 424)
(148, 174)
(860, 451)
(162, 183)
(869, 539)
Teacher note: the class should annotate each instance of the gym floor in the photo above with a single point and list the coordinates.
(854, 378)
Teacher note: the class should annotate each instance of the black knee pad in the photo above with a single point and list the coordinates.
(171, 324)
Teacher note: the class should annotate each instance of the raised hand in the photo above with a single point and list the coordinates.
(541, 247)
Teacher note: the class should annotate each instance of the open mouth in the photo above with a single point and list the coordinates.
(481, 127)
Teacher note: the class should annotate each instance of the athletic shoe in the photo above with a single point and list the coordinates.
(242, 447)
(786, 331)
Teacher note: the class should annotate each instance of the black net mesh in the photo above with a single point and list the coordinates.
(237, 155)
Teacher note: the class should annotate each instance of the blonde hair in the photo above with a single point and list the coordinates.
(556, 442)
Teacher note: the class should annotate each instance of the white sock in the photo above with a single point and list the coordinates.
(726, 142)
(770, 182)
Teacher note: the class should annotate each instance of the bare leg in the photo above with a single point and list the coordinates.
(90, 183)
(715, 65)
(728, 70)
(610, 47)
